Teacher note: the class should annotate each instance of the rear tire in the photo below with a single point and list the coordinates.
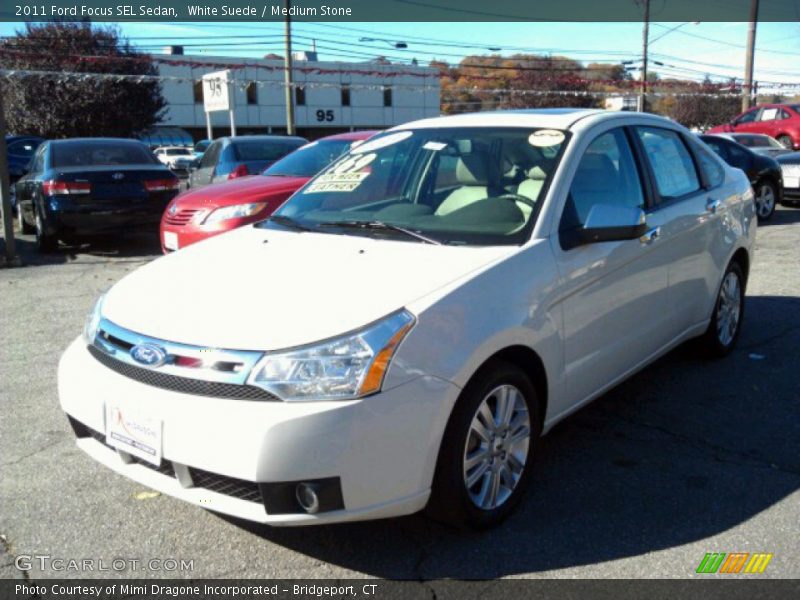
(766, 197)
(726, 321)
(786, 141)
(488, 448)
(44, 241)
(23, 224)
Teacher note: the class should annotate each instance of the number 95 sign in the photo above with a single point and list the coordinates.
(325, 116)
(216, 91)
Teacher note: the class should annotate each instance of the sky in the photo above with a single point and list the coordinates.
(689, 50)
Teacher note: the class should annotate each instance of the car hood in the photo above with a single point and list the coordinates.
(258, 289)
(240, 190)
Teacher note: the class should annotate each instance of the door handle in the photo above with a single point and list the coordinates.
(713, 206)
(651, 236)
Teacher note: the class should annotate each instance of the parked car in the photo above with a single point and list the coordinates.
(780, 121)
(199, 214)
(81, 187)
(758, 143)
(402, 331)
(169, 154)
(231, 157)
(20, 149)
(790, 167)
(763, 172)
(200, 147)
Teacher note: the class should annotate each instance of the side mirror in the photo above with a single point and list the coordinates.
(610, 223)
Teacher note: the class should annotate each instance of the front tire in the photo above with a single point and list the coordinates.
(488, 447)
(726, 322)
(766, 197)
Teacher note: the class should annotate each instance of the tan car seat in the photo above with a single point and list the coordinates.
(472, 173)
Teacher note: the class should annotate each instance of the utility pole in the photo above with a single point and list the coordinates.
(642, 105)
(11, 259)
(747, 88)
(287, 72)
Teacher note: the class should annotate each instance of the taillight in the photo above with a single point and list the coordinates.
(239, 171)
(161, 185)
(64, 188)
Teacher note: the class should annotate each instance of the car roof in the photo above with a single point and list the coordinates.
(554, 118)
(351, 135)
(98, 139)
(270, 138)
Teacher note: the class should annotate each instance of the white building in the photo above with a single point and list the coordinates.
(329, 96)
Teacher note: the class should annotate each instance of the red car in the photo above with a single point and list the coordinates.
(781, 121)
(199, 214)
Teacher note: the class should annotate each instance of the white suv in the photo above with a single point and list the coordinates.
(403, 330)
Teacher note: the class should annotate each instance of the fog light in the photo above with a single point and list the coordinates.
(307, 497)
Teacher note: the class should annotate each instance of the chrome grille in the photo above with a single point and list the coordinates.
(188, 369)
(182, 216)
(185, 385)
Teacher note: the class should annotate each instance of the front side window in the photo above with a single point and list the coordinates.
(22, 148)
(672, 164)
(211, 155)
(607, 175)
(448, 185)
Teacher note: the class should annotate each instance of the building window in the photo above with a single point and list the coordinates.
(300, 96)
(387, 95)
(252, 93)
(345, 95)
(198, 91)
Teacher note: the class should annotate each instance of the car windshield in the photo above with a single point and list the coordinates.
(262, 149)
(90, 154)
(309, 160)
(178, 152)
(473, 185)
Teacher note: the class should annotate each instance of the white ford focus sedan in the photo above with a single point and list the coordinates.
(403, 330)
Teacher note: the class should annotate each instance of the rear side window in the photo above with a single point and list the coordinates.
(268, 150)
(672, 164)
(607, 174)
(88, 154)
(713, 171)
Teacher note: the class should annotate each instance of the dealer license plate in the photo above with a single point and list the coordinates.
(791, 182)
(133, 433)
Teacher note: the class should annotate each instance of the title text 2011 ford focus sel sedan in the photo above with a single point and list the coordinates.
(403, 330)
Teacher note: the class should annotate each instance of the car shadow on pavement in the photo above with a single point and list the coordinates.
(134, 246)
(684, 450)
(783, 215)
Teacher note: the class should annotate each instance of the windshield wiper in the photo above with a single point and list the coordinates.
(380, 225)
(289, 222)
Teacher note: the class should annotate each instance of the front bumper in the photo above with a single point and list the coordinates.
(382, 448)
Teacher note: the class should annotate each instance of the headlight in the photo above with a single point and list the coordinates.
(237, 211)
(93, 321)
(344, 368)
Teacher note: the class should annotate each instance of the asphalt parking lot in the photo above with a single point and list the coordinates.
(687, 457)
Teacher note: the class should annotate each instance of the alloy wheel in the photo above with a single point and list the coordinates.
(729, 308)
(497, 447)
(765, 200)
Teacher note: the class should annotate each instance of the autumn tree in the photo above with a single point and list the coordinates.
(61, 95)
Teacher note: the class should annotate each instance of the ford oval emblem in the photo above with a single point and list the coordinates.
(118, 176)
(148, 354)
